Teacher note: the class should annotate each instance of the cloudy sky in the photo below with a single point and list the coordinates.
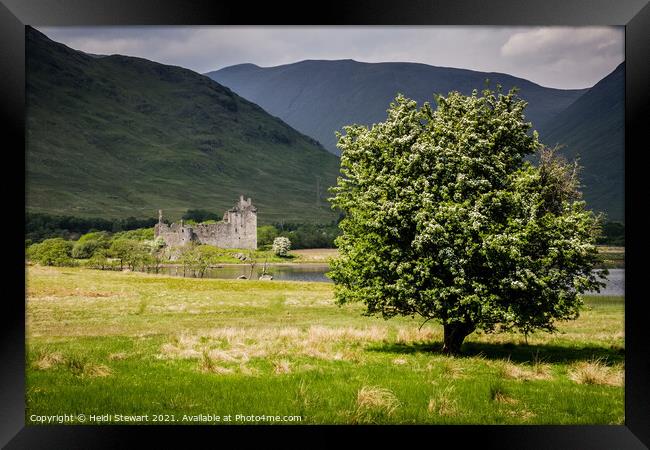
(561, 57)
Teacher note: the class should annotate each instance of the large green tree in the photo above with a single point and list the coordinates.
(446, 219)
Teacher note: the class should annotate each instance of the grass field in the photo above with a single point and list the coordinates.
(314, 255)
(134, 344)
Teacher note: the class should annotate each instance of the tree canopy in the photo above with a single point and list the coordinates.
(446, 219)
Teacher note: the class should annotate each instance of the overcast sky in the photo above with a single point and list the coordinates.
(562, 57)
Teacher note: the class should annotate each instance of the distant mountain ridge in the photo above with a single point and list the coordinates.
(117, 136)
(319, 97)
(593, 129)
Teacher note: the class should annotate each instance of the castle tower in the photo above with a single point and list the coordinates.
(243, 223)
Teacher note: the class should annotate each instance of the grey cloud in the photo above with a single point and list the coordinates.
(551, 56)
(562, 51)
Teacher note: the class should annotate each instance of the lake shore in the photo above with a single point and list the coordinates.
(614, 257)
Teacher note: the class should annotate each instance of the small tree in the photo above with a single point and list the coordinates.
(446, 220)
(266, 234)
(129, 252)
(156, 249)
(206, 256)
(281, 246)
(99, 260)
(51, 252)
(186, 257)
(89, 242)
(138, 256)
(197, 259)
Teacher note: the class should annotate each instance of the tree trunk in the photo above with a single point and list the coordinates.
(455, 334)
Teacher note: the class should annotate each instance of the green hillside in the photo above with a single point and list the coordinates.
(117, 136)
(319, 97)
(593, 129)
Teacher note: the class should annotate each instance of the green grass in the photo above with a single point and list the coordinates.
(132, 343)
(314, 255)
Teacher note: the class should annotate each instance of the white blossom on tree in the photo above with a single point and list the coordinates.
(445, 219)
(281, 246)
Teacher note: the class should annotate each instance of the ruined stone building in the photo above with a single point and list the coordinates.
(238, 229)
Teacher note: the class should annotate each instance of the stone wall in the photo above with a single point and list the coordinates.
(238, 229)
(174, 235)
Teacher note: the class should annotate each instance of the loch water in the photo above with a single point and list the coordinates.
(317, 272)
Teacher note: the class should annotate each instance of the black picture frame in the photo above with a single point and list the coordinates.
(633, 14)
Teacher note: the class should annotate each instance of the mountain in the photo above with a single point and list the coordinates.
(319, 97)
(593, 129)
(116, 136)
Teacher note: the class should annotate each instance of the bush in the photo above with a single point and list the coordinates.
(100, 260)
(302, 235)
(313, 236)
(196, 259)
(89, 243)
(156, 250)
(281, 246)
(52, 252)
(266, 234)
(140, 234)
(129, 252)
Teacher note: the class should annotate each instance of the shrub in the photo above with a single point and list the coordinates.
(141, 234)
(51, 252)
(197, 259)
(266, 234)
(281, 246)
(130, 252)
(89, 243)
(306, 235)
(100, 260)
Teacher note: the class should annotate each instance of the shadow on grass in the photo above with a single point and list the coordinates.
(520, 353)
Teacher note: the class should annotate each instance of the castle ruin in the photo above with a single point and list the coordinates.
(238, 229)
